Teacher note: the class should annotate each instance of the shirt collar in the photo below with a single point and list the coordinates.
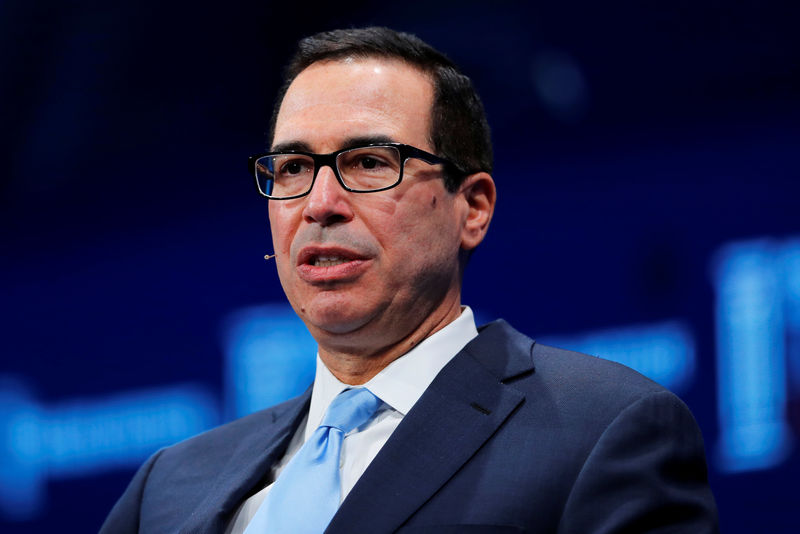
(401, 383)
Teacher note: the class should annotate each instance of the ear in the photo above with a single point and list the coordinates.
(479, 192)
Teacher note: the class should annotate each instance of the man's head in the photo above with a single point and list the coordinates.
(372, 274)
(459, 130)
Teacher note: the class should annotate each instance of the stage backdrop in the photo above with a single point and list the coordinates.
(647, 172)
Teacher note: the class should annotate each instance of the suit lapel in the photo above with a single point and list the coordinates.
(457, 414)
(250, 461)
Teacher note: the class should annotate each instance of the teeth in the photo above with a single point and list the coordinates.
(328, 261)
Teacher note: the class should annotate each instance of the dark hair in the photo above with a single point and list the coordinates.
(459, 130)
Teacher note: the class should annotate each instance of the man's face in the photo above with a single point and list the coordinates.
(364, 270)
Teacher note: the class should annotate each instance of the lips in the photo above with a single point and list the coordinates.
(328, 264)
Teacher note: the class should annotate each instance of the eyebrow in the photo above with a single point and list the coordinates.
(291, 146)
(350, 142)
(353, 142)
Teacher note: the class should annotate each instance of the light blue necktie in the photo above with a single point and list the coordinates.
(307, 493)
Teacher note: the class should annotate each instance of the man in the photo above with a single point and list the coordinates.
(380, 188)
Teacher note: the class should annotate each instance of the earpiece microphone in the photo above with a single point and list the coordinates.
(269, 256)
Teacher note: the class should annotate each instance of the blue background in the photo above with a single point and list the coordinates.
(648, 182)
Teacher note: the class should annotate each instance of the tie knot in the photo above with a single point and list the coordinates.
(351, 409)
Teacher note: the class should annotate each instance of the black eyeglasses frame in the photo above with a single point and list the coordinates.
(329, 160)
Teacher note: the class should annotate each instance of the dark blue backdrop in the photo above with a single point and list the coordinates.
(634, 143)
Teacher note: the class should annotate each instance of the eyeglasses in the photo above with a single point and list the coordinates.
(366, 169)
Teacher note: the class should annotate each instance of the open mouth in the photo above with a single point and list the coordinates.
(328, 261)
(327, 257)
(327, 265)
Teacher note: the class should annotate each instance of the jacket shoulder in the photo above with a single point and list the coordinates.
(199, 474)
(564, 376)
(220, 437)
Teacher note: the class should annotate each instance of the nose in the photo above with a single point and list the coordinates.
(327, 203)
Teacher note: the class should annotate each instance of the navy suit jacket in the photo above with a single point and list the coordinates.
(511, 436)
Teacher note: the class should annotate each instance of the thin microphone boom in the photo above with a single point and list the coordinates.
(269, 256)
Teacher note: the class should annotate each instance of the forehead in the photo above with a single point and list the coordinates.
(332, 101)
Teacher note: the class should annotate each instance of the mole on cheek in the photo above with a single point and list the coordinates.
(433, 202)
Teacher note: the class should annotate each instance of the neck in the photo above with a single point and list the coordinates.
(355, 367)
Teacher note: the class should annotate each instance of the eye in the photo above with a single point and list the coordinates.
(294, 167)
(368, 163)
(371, 159)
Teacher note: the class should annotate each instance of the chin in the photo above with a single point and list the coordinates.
(331, 320)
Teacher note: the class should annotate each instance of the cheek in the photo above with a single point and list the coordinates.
(428, 227)
(281, 228)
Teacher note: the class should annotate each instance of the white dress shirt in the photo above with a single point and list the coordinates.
(399, 386)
